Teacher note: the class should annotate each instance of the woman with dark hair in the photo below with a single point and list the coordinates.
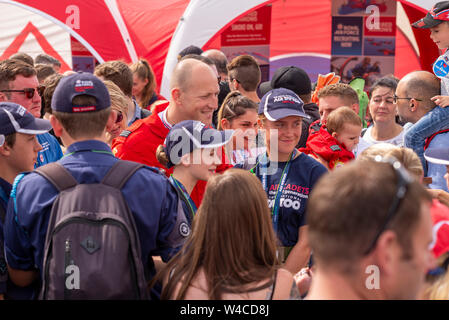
(383, 112)
(239, 113)
(231, 253)
(144, 84)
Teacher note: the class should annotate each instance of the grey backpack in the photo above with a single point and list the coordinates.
(92, 248)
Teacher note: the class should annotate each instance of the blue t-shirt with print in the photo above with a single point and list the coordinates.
(51, 150)
(302, 175)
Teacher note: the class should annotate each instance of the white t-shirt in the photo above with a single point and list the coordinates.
(367, 140)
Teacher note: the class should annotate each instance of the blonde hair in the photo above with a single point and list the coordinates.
(341, 116)
(406, 156)
(119, 102)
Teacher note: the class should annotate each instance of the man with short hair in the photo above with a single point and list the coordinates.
(334, 96)
(244, 75)
(119, 72)
(44, 58)
(220, 60)
(369, 242)
(194, 90)
(19, 84)
(413, 100)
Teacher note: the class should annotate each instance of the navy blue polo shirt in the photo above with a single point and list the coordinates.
(149, 195)
(303, 173)
(5, 190)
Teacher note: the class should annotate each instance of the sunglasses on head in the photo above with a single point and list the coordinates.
(28, 92)
(403, 180)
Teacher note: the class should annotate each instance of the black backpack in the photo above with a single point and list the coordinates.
(92, 249)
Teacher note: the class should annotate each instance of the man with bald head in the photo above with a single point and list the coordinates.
(220, 60)
(414, 102)
(194, 89)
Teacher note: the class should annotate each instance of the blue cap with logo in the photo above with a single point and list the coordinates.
(81, 83)
(15, 118)
(186, 136)
(280, 103)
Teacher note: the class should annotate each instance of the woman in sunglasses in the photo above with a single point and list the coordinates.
(119, 105)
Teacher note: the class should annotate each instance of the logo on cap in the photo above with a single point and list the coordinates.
(286, 99)
(83, 85)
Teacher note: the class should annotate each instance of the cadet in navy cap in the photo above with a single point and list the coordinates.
(81, 114)
(194, 150)
(287, 175)
(19, 150)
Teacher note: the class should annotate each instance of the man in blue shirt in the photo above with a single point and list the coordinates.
(19, 84)
(413, 99)
(19, 149)
(81, 114)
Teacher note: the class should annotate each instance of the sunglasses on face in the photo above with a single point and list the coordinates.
(28, 92)
(119, 117)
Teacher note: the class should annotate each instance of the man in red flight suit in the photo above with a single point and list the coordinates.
(194, 91)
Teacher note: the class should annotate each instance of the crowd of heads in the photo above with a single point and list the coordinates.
(366, 203)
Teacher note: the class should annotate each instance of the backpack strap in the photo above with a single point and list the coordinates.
(2, 215)
(57, 175)
(120, 172)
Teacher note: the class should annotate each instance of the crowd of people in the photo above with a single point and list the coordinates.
(227, 189)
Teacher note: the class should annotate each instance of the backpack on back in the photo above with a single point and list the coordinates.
(92, 249)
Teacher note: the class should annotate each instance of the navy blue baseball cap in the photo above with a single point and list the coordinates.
(15, 118)
(81, 83)
(189, 135)
(280, 103)
(437, 155)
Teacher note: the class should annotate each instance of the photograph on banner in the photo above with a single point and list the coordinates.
(260, 53)
(379, 46)
(358, 7)
(370, 68)
(347, 35)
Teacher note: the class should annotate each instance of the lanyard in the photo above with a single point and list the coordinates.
(280, 189)
(185, 195)
(97, 151)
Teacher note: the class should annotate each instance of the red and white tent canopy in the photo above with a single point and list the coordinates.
(158, 29)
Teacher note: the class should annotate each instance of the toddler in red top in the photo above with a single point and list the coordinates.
(332, 142)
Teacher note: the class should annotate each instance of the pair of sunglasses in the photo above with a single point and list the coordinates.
(119, 117)
(29, 92)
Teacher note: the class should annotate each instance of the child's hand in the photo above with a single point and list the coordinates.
(442, 101)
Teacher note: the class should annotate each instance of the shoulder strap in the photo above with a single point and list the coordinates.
(120, 172)
(57, 175)
(2, 214)
(145, 113)
(429, 139)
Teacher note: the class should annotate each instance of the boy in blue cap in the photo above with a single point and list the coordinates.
(19, 150)
(287, 175)
(81, 114)
(437, 120)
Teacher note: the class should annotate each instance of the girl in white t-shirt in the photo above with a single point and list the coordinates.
(239, 113)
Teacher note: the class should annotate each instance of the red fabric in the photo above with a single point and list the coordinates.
(320, 142)
(160, 100)
(440, 230)
(141, 144)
